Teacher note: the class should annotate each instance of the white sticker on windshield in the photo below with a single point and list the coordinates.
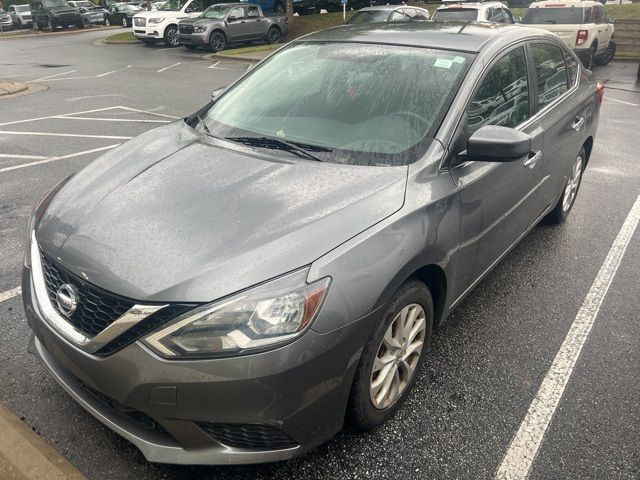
(458, 59)
(443, 63)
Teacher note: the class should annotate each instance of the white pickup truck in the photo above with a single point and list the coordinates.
(162, 24)
(583, 26)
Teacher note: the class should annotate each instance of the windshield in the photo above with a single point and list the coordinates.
(21, 8)
(456, 15)
(554, 15)
(55, 3)
(173, 5)
(369, 16)
(216, 12)
(353, 103)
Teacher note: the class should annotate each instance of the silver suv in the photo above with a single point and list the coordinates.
(474, 12)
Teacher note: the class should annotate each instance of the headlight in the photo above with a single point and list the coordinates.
(156, 20)
(37, 214)
(199, 29)
(257, 319)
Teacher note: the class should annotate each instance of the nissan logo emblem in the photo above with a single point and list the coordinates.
(67, 299)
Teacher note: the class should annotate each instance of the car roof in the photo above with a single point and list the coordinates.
(461, 36)
(471, 5)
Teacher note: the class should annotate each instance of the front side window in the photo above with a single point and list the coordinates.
(236, 13)
(397, 17)
(354, 103)
(216, 12)
(503, 95)
(508, 18)
(496, 15)
(551, 72)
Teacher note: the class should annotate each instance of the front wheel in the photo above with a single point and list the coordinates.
(273, 36)
(171, 36)
(50, 25)
(392, 357)
(85, 23)
(124, 22)
(107, 22)
(562, 209)
(607, 56)
(217, 42)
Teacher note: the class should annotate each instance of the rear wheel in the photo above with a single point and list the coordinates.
(273, 35)
(50, 25)
(81, 24)
(171, 36)
(85, 22)
(607, 56)
(217, 42)
(393, 356)
(562, 209)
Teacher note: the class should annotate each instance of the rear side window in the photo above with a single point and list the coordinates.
(551, 72)
(397, 16)
(503, 95)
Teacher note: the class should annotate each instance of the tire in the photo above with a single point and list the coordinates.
(369, 386)
(124, 22)
(588, 62)
(217, 41)
(639, 70)
(279, 7)
(570, 191)
(273, 35)
(607, 56)
(37, 26)
(85, 23)
(81, 24)
(171, 36)
(107, 22)
(191, 47)
(50, 25)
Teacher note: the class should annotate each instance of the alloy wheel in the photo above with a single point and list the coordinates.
(398, 356)
(172, 36)
(571, 190)
(217, 42)
(274, 35)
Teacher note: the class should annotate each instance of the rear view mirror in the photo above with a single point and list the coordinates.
(492, 143)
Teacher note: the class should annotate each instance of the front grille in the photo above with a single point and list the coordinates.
(139, 22)
(254, 437)
(97, 309)
(186, 28)
(26, 17)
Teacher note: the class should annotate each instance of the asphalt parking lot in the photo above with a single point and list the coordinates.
(484, 368)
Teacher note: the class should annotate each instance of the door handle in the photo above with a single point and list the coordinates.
(577, 125)
(533, 159)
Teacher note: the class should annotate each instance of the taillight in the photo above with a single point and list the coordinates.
(582, 36)
(600, 90)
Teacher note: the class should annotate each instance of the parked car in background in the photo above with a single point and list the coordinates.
(6, 22)
(277, 6)
(225, 23)
(21, 16)
(582, 25)
(52, 14)
(122, 14)
(473, 12)
(156, 5)
(235, 285)
(90, 13)
(388, 13)
(162, 24)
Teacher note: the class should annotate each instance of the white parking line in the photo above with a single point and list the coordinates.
(64, 78)
(54, 159)
(73, 135)
(214, 64)
(524, 446)
(67, 117)
(167, 68)
(622, 101)
(14, 292)
(22, 157)
(57, 116)
(52, 76)
(148, 112)
(113, 71)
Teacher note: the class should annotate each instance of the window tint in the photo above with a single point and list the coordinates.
(252, 12)
(551, 73)
(397, 17)
(572, 67)
(553, 16)
(508, 18)
(503, 96)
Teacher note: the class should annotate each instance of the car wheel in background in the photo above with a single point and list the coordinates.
(392, 357)
(124, 22)
(80, 24)
(607, 56)
(50, 25)
(562, 209)
(107, 22)
(85, 22)
(217, 42)
(171, 36)
(273, 35)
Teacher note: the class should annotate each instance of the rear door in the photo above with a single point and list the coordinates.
(499, 201)
(561, 112)
(255, 24)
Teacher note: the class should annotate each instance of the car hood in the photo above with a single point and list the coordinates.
(200, 21)
(169, 217)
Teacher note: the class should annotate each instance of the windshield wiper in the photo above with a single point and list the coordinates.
(279, 144)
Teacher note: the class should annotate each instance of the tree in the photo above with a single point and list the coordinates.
(289, 10)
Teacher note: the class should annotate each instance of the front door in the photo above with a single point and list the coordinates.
(236, 25)
(499, 201)
(255, 24)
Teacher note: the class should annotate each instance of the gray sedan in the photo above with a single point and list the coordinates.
(232, 287)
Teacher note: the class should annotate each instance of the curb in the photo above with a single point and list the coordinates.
(26, 456)
(122, 42)
(8, 87)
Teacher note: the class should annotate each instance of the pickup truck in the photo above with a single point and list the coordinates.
(226, 23)
(582, 25)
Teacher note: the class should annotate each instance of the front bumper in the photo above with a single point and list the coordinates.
(299, 390)
(194, 38)
(154, 32)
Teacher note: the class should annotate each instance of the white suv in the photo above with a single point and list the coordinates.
(162, 24)
(473, 12)
(583, 26)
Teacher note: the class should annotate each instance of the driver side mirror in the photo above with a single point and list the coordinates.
(492, 143)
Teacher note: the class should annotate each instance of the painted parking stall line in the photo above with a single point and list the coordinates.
(70, 135)
(55, 75)
(55, 159)
(14, 292)
(524, 447)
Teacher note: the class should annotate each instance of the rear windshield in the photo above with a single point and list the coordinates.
(369, 16)
(456, 15)
(561, 16)
(22, 8)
